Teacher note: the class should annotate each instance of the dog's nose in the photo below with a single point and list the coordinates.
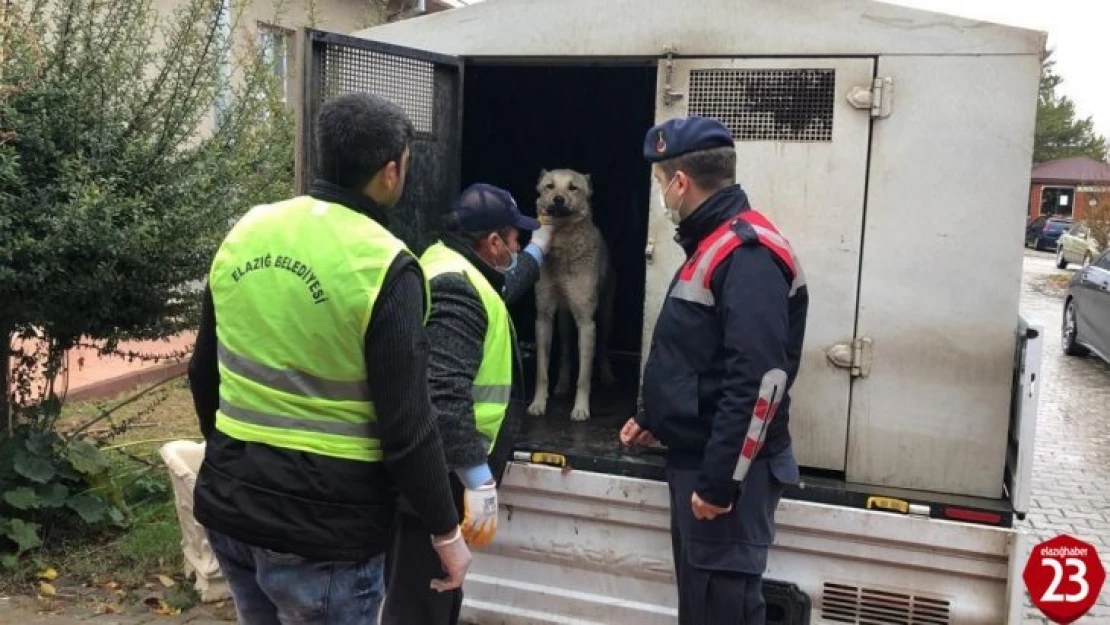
(558, 199)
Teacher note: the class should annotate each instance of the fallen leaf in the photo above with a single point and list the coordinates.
(159, 606)
(107, 608)
(166, 581)
(148, 585)
(47, 590)
(48, 575)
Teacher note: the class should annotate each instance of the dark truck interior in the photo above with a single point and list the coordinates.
(519, 119)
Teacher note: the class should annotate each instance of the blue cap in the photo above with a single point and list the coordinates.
(484, 207)
(676, 137)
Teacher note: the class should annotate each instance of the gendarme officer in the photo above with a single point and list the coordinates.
(724, 354)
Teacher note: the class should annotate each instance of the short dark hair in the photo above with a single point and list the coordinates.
(358, 134)
(710, 169)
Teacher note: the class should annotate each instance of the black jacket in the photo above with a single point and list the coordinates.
(709, 362)
(456, 330)
(327, 508)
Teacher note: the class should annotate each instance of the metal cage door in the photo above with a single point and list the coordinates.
(801, 151)
(427, 86)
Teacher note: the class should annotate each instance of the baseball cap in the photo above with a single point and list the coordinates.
(484, 207)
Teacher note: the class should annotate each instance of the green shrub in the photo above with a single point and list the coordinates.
(47, 483)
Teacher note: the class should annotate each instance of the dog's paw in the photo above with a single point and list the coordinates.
(580, 413)
(538, 408)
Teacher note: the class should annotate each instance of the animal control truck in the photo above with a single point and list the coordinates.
(892, 146)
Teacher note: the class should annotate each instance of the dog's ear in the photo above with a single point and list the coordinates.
(589, 185)
(539, 181)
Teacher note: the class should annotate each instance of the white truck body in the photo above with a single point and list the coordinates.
(893, 147)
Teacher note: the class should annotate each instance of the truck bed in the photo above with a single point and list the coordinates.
(581, 547)
(591, 445)
(594, 446)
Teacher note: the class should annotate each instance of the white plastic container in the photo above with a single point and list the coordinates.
(183, 458)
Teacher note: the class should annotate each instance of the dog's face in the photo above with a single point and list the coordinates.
(564, 194)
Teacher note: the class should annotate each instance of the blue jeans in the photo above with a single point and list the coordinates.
(271, 588)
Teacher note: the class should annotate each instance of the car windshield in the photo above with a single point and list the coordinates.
(1057, 226)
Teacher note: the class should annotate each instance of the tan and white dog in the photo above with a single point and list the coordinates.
(577, 280)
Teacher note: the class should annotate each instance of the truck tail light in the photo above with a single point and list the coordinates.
(973, 516)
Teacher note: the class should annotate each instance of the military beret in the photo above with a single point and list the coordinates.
(683, 135)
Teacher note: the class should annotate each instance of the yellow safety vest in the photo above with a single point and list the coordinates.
(493, 384)
(294, 284)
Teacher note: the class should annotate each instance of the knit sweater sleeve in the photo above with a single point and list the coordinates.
(456, 332)
(411, 445)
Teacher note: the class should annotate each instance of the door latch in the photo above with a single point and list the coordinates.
(877, 97)
(670, 96)
(854, 355)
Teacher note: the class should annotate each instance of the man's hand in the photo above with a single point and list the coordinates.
(480, 515)
(633, 434)
(704, 511)
(542, 237)
(454, 556)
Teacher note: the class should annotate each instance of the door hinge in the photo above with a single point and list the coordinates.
(670, 96)
(878, 97)
(853, 355)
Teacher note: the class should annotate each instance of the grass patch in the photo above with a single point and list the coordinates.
(123, 566)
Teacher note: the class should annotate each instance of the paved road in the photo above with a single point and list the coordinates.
(1071, 470)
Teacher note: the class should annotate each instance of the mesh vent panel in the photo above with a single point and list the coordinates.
(409, 83)
(767, 105)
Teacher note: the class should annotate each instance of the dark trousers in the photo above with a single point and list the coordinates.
(411, 563)
(719, 564)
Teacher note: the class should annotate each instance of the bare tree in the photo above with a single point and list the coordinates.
(1097, 218)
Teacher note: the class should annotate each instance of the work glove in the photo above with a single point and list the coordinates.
(454, 557)
(542, 238)
(480, 514)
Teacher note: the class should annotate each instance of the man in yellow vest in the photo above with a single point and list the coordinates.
(472, 271)
(309, 379)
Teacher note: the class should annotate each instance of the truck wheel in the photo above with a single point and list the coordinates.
(1070, 329)
(1061, 262)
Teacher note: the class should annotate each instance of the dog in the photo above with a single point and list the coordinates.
(576, 279)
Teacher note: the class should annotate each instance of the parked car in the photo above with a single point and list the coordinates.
(1041, 233)
(1076, 246)
(1087, 310)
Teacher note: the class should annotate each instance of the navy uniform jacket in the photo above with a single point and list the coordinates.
(723, 358)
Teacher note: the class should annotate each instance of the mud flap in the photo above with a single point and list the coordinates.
(786, 603)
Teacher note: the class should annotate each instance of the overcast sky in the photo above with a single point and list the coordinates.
(1079, 30)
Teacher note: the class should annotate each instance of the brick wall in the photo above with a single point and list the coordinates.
(1083, 195)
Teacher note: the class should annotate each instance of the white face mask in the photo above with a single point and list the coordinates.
(672, 213)
(512, 258)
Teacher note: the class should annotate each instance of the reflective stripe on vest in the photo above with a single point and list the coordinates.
(696, 274)
(493, 383)
(294, 285)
